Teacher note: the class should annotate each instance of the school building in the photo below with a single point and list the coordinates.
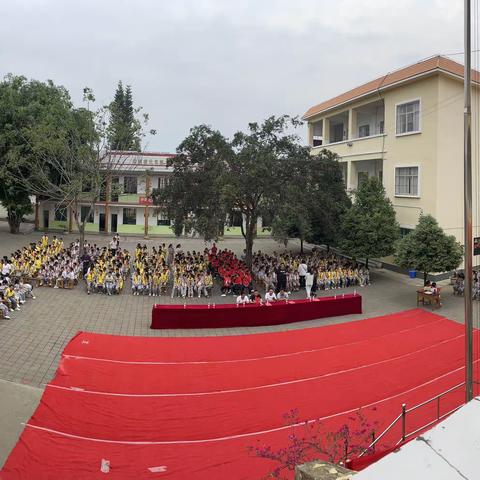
(406, 128)
(126, 208)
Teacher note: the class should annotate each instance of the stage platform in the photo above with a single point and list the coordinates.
(179, 408)
(253, 315)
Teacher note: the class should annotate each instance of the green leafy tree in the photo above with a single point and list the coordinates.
(17, 203)
(329, 199)
(25, 107)
(315, 200)
(214, 176)
(428, 249)
(192, 198)
(369, 228)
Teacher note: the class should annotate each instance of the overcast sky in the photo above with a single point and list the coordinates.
(221, 62)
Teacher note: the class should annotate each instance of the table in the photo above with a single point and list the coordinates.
(277, 313)
(432, 298)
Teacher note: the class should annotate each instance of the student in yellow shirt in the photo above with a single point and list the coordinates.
(90, 279)
(11, 299)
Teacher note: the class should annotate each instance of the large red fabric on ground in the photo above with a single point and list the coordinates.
(253, 315)
(190, 407)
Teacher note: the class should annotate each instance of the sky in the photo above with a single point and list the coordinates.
(221, 62)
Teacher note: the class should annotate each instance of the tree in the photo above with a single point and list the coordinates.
(315, 201)
(24, 106)
(258, 174)
(213, 177)
(17, 203)
(428, 249)
(124, 130)
(329, 200)
(312, 439)
(65, 165)
(369, 228)
(55, 151)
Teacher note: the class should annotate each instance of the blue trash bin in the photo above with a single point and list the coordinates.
(412, 273)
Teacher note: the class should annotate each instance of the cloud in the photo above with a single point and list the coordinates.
(220, 62)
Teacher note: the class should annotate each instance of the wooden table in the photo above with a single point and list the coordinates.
(431, 298)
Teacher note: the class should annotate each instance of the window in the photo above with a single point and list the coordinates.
(129, 216)
(363, 131)
(61, 214)
(338, 133)
(130, 185)
(162, 182)
(406, 181)
(114, 189)
(408, 117)
(162, 220)
(317, 134)
(84, 211)
(381, 126)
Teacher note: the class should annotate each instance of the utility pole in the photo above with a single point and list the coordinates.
(467, 150)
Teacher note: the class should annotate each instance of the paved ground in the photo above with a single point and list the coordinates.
(32, 341)
(17, 405)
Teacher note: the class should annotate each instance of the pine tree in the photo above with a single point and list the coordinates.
(131, 130)
(369, 228)
(124, 129)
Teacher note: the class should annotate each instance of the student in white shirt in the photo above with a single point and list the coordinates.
(302, 272)
(282, 295)
(309, 283)
(242, 299)
(270, 296)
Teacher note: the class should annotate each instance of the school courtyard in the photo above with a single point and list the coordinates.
(32, 340)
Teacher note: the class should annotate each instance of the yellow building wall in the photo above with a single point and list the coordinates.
(418, 149)
(450, 181)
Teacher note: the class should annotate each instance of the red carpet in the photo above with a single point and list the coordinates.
(188, 408)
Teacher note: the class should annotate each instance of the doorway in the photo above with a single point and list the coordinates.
(101, 222)
(46, 219)
(113, 222)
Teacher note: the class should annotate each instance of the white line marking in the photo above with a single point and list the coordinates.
(79, 357)
(242, 435)
(258, 387)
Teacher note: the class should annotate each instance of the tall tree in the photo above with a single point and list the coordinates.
(315, 201)
(258, 173)
(214, 176)
(25, 107)
(428, 249)
(192, 198)
(369, 228)
(124, 129)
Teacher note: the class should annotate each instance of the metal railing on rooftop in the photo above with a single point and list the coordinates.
(402, 417)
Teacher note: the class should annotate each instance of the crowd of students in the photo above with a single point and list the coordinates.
(232, 272)
(105, 268)
(47, 263)
(151, 272)
(192, 274)
(318, 270)
(188, 274)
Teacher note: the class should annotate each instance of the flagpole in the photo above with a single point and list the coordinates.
(467, 119)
